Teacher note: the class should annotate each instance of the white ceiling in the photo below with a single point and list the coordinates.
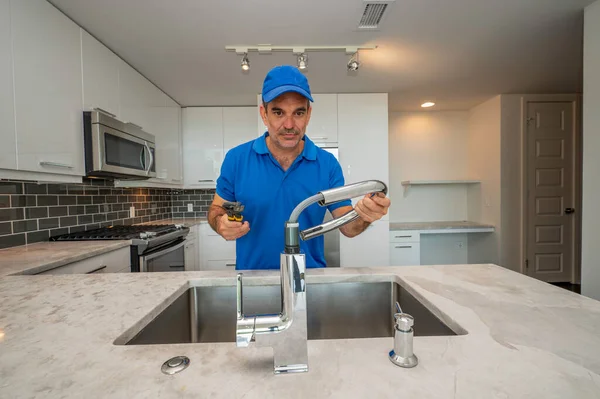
(454, 52)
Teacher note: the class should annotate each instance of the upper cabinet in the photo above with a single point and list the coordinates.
(8, 149)
(238, 126)
(166, 128)
(48, 88)
(100, 68)
(323, 125)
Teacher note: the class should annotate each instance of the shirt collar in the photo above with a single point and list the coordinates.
(309, 152)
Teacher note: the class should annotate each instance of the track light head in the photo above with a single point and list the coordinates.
(302, 61)
(353, 63)
(245, 63)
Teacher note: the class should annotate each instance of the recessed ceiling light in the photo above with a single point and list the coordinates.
(427, 104)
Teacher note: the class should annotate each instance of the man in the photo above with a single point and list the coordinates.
(275, 172)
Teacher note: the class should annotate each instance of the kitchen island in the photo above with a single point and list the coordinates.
(524, 339)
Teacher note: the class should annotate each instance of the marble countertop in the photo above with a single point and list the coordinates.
(42, 256)
(450, 225)
(526, 339)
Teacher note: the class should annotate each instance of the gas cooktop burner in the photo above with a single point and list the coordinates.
(119, 233)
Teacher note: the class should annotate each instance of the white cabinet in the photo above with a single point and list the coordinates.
(117, 261)
(165, 126)
(202, 146)
(48, 88)
(323, 125)
(100, 69)
(192, 251)
(405, 248)
(8, 149)
(215, 252)
(367, 249)
(138, 98)
(238, 126)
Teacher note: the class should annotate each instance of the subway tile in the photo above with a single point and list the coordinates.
(10, 187)
(36, 213)
(101, 217)
(97, 182)
(116, 191)
(123, 214)
(91, 190)
(24, 226)
(12, 240)
(54, 211)
(4, 201)
(67, 200)
(59, 232)
(68, 221)
(38, 236)
(31, 188)
(90, 209)
(111, 199)
(112, 216)
(122, 198)
(76, 210)
(76, 190)
(8, 214)
(85, 219)
(84, 200)
(104, 191)
(76, 229)
(47, 200)
(5, 228)
(128, 222)
(50, 223)
(116, 207)
(105, 224)
(92, 226)
(105, 208)
(21, 201)
(60, 189)
(98, 199)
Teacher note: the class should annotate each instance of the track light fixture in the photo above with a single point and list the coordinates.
(302, 61)
(245, 63)
(353, 63)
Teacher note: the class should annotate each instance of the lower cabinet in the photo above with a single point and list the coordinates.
(118, 261)
(405, 248)
(192, 251)
(216, 253)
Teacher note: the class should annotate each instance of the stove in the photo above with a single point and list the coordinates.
(153, 247)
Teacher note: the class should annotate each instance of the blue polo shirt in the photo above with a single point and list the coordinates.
(250, 174)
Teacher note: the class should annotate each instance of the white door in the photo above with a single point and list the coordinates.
(323, 125)
(100, 75)
(8, 149)
(48, 88)
(550, 184)
(369, 249)
(202, 146)
(238, 126)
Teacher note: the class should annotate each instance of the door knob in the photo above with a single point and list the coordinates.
(569, 210)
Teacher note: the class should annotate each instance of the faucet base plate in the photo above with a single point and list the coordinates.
(406, 362)
(291, 368)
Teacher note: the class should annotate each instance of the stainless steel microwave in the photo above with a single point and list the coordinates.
(114, 149)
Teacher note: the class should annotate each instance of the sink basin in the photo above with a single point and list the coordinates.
(335, 311)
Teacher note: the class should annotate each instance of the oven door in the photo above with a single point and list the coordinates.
(166, 259)
(121, 153)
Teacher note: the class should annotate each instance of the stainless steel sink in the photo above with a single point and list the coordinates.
(335, 311)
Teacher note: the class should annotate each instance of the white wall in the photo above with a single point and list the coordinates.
(590, 266)
(484, 127)
(428, 146)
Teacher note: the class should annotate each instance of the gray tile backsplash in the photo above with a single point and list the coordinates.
(31, 212)
(200, 199)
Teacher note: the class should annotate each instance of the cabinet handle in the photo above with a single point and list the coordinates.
(403, 246)
(230, 264)
(96, 270)
(55, 164)
(104, 112)
(205, 181)
(319, 138)
(403, 236)
(176, 180)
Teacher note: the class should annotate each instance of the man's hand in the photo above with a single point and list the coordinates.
(230, 230)
(372, 208)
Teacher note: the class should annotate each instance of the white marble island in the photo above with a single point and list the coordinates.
(526, 339)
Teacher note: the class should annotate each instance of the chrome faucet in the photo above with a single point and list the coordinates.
(287, 332)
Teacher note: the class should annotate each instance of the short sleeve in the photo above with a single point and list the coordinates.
(226, 180)
(336, 179)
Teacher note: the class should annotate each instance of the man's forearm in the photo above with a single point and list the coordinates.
(354, 228)
(214, 212)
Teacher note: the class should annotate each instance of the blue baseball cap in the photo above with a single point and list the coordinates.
(283, 79)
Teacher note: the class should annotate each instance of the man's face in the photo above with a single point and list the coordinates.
(286, 119)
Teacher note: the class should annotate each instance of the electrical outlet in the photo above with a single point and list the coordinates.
(132, 212)
(190, 207)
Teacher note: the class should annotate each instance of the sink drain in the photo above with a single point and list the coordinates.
(175, 365)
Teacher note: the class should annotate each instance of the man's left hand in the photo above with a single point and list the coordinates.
(372, 208)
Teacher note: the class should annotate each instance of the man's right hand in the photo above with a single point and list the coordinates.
(230, 230)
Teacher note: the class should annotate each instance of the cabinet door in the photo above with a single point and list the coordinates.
(238, 126)
(191, 251)
(165, 123)
(202, 146)
(138, 98)
(48, 88)
(363, 137)
(100, 75)
(405, 253)
(8, 149)
(369, 249)
(323, 125)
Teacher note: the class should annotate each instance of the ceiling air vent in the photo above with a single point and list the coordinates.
(373, 14)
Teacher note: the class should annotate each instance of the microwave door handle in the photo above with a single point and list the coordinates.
(151, 158)
(143, 158)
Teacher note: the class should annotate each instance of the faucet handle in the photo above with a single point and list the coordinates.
(244, 328)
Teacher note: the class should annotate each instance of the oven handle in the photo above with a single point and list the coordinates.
(164, 251)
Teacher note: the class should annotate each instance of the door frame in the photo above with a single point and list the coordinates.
(575, 100)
